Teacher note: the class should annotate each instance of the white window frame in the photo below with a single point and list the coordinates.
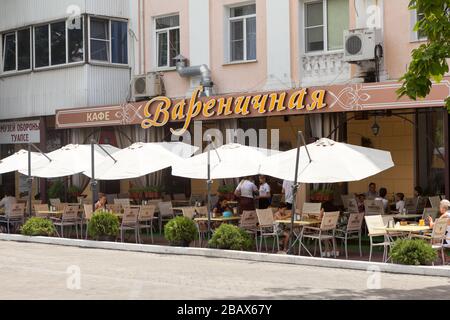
(415, 34)
(50, 66)
(244, 30)
(156, 42)
(109, 62)
(325, 29)
(16, 70)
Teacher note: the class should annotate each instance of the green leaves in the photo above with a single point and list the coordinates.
(429, 61)
(38, 227)
(103, 224)
(413, 252)
(180, 229)
(230, 237)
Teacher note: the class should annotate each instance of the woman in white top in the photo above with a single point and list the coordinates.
(444, 211)
(245, 191)
(264, 193)
(399, 202)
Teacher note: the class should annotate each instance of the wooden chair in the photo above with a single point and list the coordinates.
(345, 200)
(266, 228)
(435, 202)
(123, 202)
(15, 217)
(326, 231)
(373, 207)
(69, 219)
(437, 236)
(116, 208)
(146, 218)
(130, 222)
(351, 231)
(376, 228)
(352, 206)
(39, 208)
(165, 213)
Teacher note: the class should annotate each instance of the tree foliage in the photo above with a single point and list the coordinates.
(429, 60)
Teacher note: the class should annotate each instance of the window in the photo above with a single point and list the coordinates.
(167, 40)
(109, 40)
(58, 43)
(16, 55)
(242, 24)
(325, 22)
(420, 34)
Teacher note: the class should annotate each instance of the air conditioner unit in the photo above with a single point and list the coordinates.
(360, 44)
(145, 86)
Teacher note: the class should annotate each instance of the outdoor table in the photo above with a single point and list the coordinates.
(407, 229)
(181, 202)
(301, 224)
(56, 214)
(220, 219)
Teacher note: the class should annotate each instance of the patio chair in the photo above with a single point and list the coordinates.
(437, 236)
(421, 204)
(351, 231)
(40, 208)
(61, 206)
(196, 198)
(376, 228)
(267, 228)
(146, 217)
(33, 202)
(326, 232)
(249, 223)
(54, 202)
(179, 196)
(202, 228)
(15, 217)
(311, 209)
(165, 213)
(130, 222)
(276, 200)
(430, 212)
(201, 211)
(345, 200)
(69, 219)
(188, 212)
(435, 202)
(87, 215)
(411, 205)
(123, 202)
(373, 207)
(352, 206)
(116, 208)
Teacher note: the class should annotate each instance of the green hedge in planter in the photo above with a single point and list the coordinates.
(413, 252)
(230, 237)
(180, 231)
(103, 226)
(38, 227)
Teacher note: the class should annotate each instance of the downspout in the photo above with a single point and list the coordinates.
(202, 70)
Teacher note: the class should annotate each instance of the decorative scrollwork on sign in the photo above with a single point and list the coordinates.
(350, 98)
(129, 113)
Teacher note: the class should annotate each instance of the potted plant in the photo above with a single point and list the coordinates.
(56, 190)
(180, 231)
(103, 226)
(226, 191)
(230, 237)
(74, 192)
(38, 227)
(135, 193)
(413, 252)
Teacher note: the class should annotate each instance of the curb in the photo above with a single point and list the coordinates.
(439, 271)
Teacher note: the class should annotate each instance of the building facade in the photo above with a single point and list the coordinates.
(245, 48)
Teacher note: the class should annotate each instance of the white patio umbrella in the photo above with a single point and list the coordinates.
(19, 162)
(69, 160)
(330, 162)
(228, 161)
(141, 159)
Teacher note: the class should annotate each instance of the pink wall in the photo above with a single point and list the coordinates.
(175, 85)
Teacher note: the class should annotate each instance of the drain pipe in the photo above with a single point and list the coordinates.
(201, 70)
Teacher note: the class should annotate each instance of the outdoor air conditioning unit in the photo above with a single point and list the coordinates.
(361, 44)
(145, 86)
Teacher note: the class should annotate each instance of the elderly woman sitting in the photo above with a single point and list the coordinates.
(444, 211)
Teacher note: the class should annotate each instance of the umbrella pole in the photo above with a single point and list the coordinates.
(294, 194)
(30, 182)
(209, 182)
(93, 182)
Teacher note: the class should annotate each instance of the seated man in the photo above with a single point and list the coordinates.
(382, 197)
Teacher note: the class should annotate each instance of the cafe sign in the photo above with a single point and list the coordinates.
(17, 132)
(161, 111)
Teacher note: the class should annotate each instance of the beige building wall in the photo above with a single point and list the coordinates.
(397, 136)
